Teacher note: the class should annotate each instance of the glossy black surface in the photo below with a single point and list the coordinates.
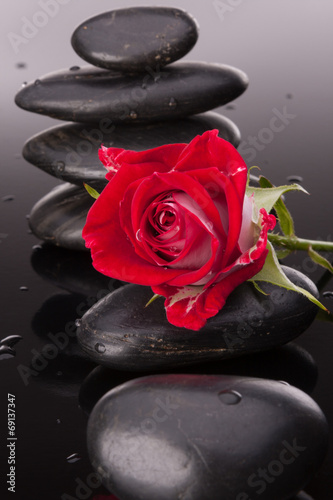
(115, 40)
(284, 47)
(121, 333)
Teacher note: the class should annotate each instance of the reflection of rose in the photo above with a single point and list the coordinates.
(176, 218)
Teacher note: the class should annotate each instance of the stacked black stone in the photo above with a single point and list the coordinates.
(135, 96)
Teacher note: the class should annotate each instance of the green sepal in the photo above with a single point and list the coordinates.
(273, 273)
(154, 297)
(284, 216)
(93, 193)
(267, 197)
(319, 259)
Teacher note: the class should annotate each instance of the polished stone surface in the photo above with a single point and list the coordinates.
(70, 152)
(95, 95)
(114, 40)
(119, 332)
(59, 216)
(206, 437)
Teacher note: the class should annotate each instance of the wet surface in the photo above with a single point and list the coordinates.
(285, 118)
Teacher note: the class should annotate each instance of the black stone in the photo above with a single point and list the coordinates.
(199, 437)
(290, 363)
(72, 271)
(121, 333)
(130, 39)
(59, 216)
(96, 95)
(70, 152)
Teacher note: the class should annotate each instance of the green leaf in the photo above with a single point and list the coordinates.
(154, 297)
(285, 219)
(273, 273)
(324, 316)
(93, 193)
(258, 288)
(267, 197)
(319, 259)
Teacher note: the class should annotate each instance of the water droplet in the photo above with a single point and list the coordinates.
(21, 65)
(144, 86)
(24, 288)
(100, 348)
(78, 322)
(24, 84)
(230, 397)
(231, 107)
(58, 421)
(37, 247)
(294, 178)
(75, 457)
(59, 165)
(6, 352)
(283, 382)
(8, 197)
(289, 96)
(138, 235)
(328, 294)
(172, 103)
(37, 82)
(74, 68)
(133, 115)
(173, 249)
(11, 340)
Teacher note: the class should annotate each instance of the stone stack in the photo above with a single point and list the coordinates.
(199, 436)
(135, 96)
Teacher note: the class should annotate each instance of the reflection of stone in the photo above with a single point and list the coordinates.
(121, 333)
(131, 39)
(289, 363)
(70, 152)
(59, 216)
(211, 436)
(91, 94)
(72, 271)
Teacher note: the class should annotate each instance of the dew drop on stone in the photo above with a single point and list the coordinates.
(230, 397)
(133, 115)
(75, 457)
(24, 84)
(283, 382)
(24, 288)
(58, 421)
(78, 322)
(60, 165)
(8, 197)
(100, 348)
(328, 294)
(295, 178)
(138, 235)
(230, 106)
(37, 247)
(172, 103)
(37, 82)
(74, 68)
(21, 65)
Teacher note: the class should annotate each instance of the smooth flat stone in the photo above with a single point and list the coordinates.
(70, 152)
(130, 39)
(290, 363)
(201, 437)
(96, 95)
(59, 216)
(119, 332)
(72, 271)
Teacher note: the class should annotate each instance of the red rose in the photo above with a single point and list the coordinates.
(176, 218)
